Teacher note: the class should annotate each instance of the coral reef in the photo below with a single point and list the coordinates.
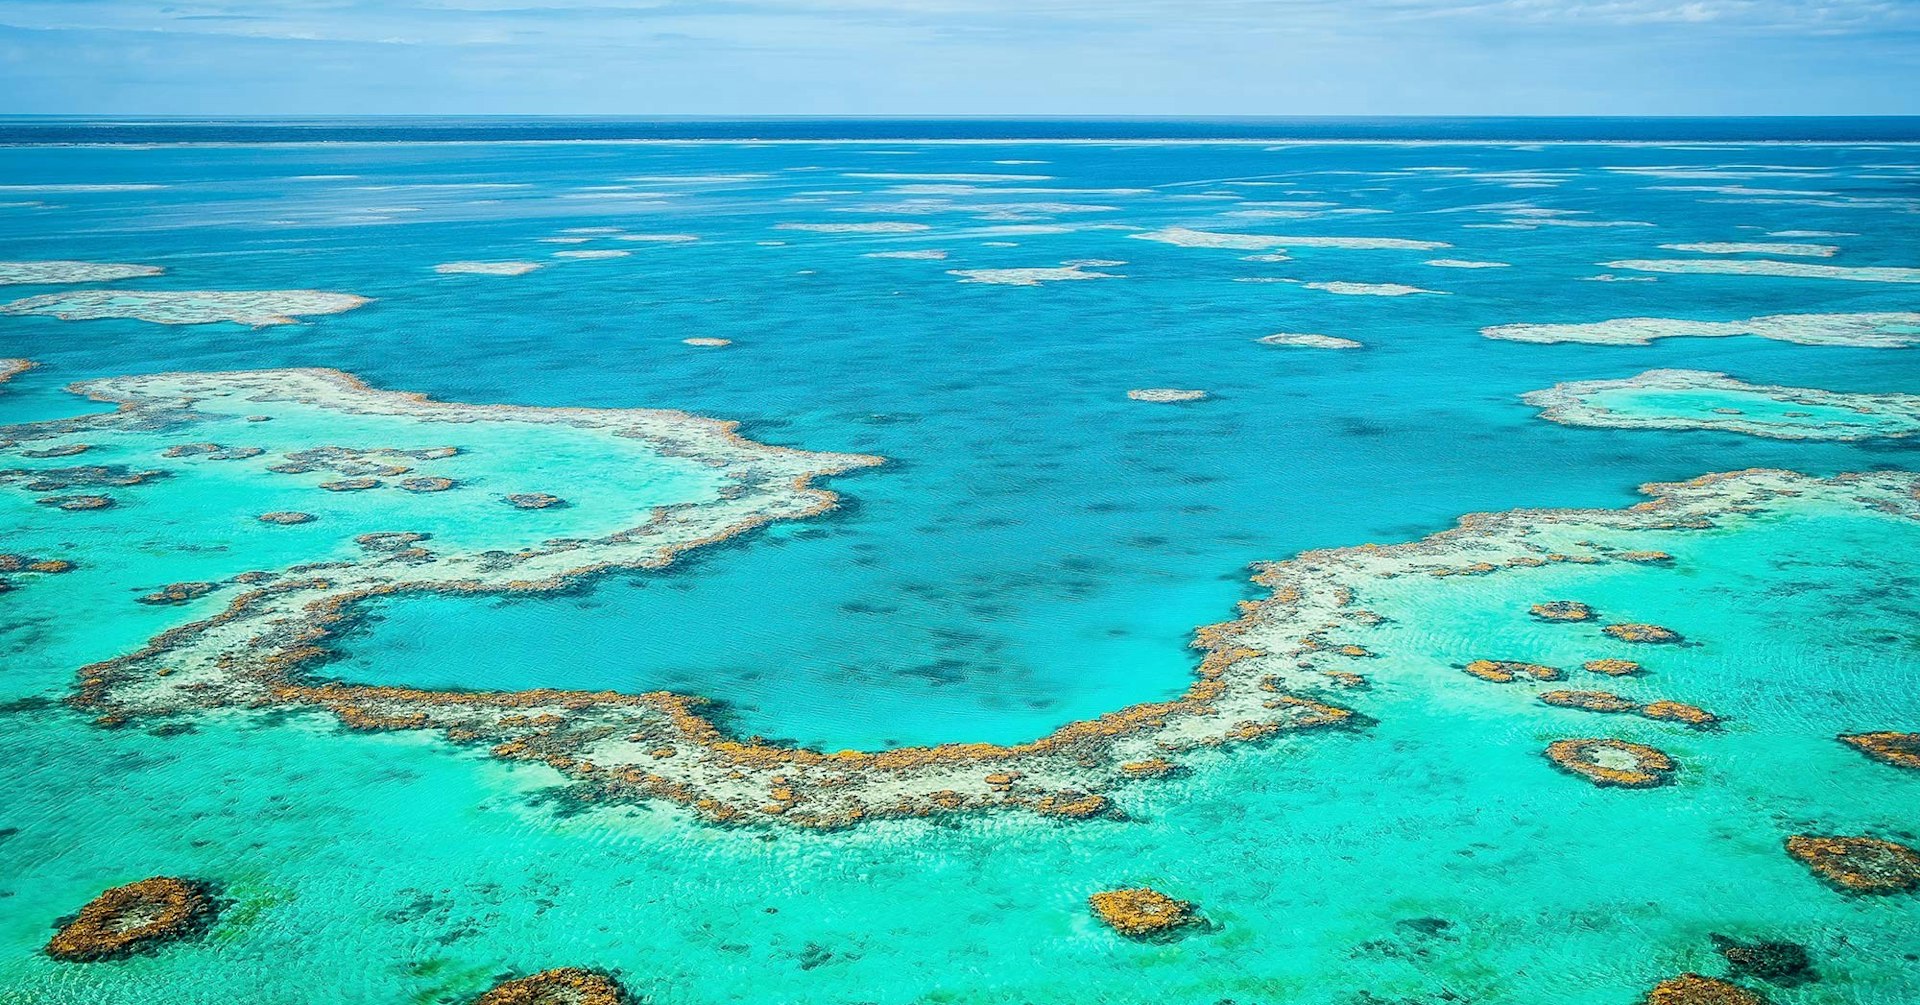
(427, 483)
(487, 268)
(1507, 671)
(562, 986)
(1309, 341)
(135, 917)
(1902, 750)
(1165, 394)
(1634, 631)
(1592, 701)
(179, 593)
(1607, 762)
(1562, 610)
(1693, 989)
(535, 500)
(1783, 963)
(1612, 667)
(1886, 330)
(75, 503)
(1669, 401)
(258, 308)
(60, 273)
(1140, 911)
(286, 517)
(1858, 864)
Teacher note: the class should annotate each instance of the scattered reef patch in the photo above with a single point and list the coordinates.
(1902, 750)
(55, 273)
(1858, 864)
(1693, 989)
(1878, 330)
(562, 986)
(1140, 911)
(257, 308)
(134, 918)
(1607, 762)
(1698, 399)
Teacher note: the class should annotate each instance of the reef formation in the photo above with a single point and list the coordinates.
(1140, 911)
(1605, 404)
(1875, 330)
(1858, 864)
(562, 986)
(60, 272)
(136, 917)
(1261, 676)
(256, 308)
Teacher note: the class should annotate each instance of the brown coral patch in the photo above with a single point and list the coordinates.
(1693, 989)
(351, 484)
(562, 986)
(1507, 671)
(1562, 610)
(1635, 631)
(1140, 911)
(1608, 762)
(1858, 864)
(1680, 712)
(127, 919)
(1152, 767)
(534, 500)
(1612, 667)
(1073, 805)
(286, 517)
(1902, 750)
(75, 503)
(433, 483)
(179, 593)
(1592, 701)
(63, 450)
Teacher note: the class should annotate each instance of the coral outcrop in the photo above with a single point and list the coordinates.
(1902, 750)
(133, 918)
(1140, 911)
(562, 986)
(1858, 864)
(1607, 762)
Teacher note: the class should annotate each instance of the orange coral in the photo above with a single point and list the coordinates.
(1898, 749)
(563, 986)
(136, 916)
(1592, 701)
(1858, 864)
(1693, 989)
(1635, 631)
(1611, 667)
(1139, 911)
(1505, 671)
(1562, 610)
(1681, 712)
(1607, 762)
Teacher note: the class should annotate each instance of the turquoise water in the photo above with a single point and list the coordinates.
(1038, 550)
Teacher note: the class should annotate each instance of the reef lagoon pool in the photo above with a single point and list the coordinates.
(1243, 564)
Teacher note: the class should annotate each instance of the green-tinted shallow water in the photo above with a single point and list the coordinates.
(1039, 550)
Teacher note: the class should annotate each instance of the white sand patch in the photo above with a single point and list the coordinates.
(1184, 237)
(1462, 263)
(1372, 289)
(659, 238)
(1765, 267)
(590, 230)
(1028, 277)
(1882, 330)
(929, 254)
(707, 343)
(1811, 233)
(604, 253)
(1305, 341)
(487, 268)
(1269, 256)
(565, 240)
(876, 227)
(77, 189)
(1608, 277)
(1756, 248)
(1093, 263)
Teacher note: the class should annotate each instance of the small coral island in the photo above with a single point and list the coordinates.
(134, 918)
(1140, 911)
(563, 986)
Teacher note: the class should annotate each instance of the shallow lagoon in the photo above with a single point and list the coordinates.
(1039, 550)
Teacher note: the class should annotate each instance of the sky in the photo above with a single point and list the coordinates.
(961, 57)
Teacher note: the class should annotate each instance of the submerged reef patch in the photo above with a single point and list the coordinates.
(562, 986)
(1029, 277)
(1636, 631)
(1876, 330)
(1902, 750)
(1858, 864)
(138, 916)
(257, 308)
(55, 273)
(1699, 399)
(1607, 762)
(1562, 610)
(1305, 341)
(1140, 911)
(487, 268)
(1693, 989)
(1756, 248)
(1184, 237)
(1165, 395)
(1767, 267)
(1372, 289)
